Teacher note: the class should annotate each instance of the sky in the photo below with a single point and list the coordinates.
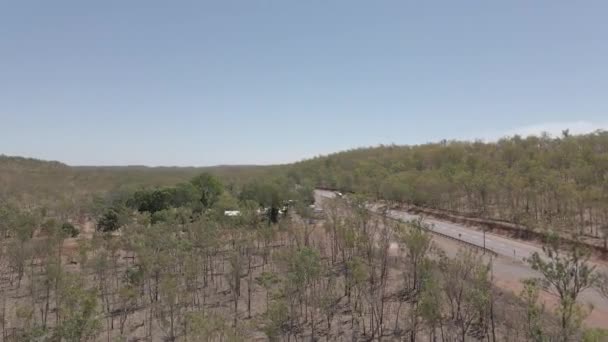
(202, 83)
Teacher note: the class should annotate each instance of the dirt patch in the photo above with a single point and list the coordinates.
(596, 319)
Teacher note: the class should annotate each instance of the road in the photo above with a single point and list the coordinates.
(509, 269)
(500, 245)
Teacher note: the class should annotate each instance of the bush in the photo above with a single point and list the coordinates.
(70, 230)
(111, 220)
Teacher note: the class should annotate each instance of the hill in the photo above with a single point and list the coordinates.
(540, 182)
(28, 182)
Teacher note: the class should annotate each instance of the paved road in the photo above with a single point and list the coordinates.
(509, 268)
(500, 245)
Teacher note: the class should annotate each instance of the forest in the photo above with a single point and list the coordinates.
(135, 253)
(542, 183)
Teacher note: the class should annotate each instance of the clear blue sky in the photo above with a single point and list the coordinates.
(203, 83)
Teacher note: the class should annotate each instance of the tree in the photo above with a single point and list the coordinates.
(234, 280)
(78, 311)
(19, 250)
(205, 327)
(328, 302)
(566, 273)
(267, 280)
(602, 284)
(430, 305)
(267, 193)
(209, 188)
(417, 242)
(18, 255)
(127, 296)
(467, 290)
(170, 309)
(111, 220)
(184, 195)
(151, 200)
(307, 214)
(534, 311)
(276, 320)
(69, 230)
(304, 270)
(226, 201)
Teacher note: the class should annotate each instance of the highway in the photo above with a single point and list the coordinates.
(500, 245)
(509, 268)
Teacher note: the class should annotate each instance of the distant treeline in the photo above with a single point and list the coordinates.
(70, 192)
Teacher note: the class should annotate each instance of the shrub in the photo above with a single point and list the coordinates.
(70, 230)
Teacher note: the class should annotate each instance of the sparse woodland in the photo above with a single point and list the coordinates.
(159, 260)
(542, 183)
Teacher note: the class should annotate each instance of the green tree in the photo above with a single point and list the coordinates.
(209, 188)
(69, 230)
(78, 311)
(418, 243)
(184, 195)
(467, 290)
(268, 193)
(430, 305)
(276, 320)
(226, 201)
(112, 219)
(534, 311)
(566, 273)
(267, 280)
